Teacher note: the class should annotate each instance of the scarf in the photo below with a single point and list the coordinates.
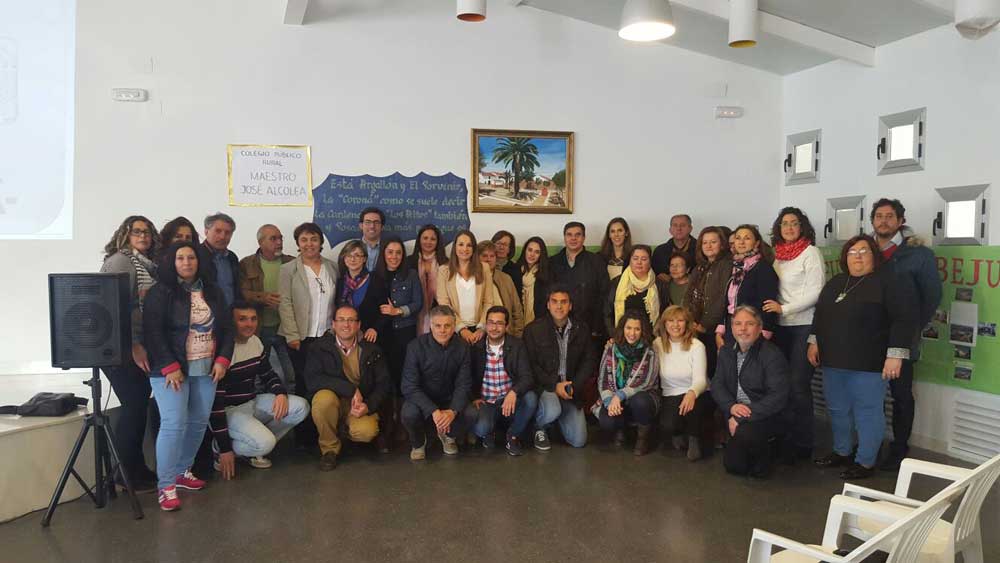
(626, 356)
(786, 251)
(740, 268)
(629, 285)
(352, 284)
(145, 271)
(528, 294)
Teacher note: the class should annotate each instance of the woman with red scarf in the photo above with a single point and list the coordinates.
(799, 265)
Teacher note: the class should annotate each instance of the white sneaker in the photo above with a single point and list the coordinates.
(449, 444)
(419, 454)
(260, 462)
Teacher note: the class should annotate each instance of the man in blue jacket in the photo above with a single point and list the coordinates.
(908, 257)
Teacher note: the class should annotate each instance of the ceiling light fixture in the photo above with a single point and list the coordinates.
(976, 18)
(471, 10)
(742, 23)
(646, 20)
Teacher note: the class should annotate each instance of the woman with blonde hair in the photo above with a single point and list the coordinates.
(683, 379)
(467, 287)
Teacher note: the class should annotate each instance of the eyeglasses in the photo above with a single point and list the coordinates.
(496, 323)
(322, 288)
(140, 233)
(345, 320)
(368, 223)
(858, 252)
(356, 256)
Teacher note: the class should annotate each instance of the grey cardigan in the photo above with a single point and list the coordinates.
(118, 263)
(296, 301)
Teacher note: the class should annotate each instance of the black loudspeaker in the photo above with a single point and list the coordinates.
(90, 323)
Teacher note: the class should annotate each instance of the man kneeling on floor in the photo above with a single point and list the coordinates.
(243, 422)
(436, 384)
(502, 384)
(751, 386)
(348, 380)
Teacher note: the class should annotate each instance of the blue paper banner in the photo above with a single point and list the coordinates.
(408, 202)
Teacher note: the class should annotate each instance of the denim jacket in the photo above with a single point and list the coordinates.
(406, 294)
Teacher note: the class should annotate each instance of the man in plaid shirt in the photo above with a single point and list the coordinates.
(502, 384)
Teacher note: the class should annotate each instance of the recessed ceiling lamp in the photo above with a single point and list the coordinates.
(646, 20)
(976, 18)
(742, 23)
(471, 10)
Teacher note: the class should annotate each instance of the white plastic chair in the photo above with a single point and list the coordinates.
(946, 539)
(901, 539)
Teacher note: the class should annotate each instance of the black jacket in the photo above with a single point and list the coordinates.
(633, 302)
(588, 280)
(325, 370)
(764, 378)
(515, 362)
(369, 313)
(759, 285)
(211, 274)
(513, 269)
(166, 318)
(662, 253)
(436, 375)
(543, 351)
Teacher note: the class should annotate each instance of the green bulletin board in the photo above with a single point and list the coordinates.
(960, 346)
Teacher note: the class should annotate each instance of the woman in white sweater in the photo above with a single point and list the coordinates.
(683, 379)
(799, 265)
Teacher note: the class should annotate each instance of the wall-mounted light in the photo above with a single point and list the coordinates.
(471, 10)
(646, 20)
(976, 18)
(742, 23)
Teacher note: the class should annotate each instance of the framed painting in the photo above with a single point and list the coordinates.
(522, 171)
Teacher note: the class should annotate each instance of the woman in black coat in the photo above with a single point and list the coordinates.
(365, 291)
(753, 281)
(535, 276)
(636, 288)
(189, 339)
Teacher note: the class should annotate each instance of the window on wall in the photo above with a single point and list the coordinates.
(901, 141)
(845, 218)
(802, 158)
(963, 217)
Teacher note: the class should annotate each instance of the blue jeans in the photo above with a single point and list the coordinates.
(855, 401)
(484, 419)
(276, 345)
(254, 431)
(183, 419)
(572, 421)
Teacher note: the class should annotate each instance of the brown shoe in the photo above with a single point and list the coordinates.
(328, 461)
(641, 440)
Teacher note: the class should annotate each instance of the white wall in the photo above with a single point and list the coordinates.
(959, 82)
(378, 87)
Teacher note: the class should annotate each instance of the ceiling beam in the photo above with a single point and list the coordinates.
(295, 11)
(793, 31)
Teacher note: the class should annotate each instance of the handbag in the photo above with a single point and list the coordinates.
(47, 404)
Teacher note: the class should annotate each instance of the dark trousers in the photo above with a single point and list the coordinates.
(640, 409)
(673, 424)
(903, 408)
(792, 340)
(414, 419)
(131, 386)
(748, 451)
(306, 434)
(394, 344)
(708, 415)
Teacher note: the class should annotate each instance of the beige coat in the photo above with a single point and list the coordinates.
(296, 301)
(504, 293)
(447, 294)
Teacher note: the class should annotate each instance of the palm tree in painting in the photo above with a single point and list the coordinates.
(518, 154)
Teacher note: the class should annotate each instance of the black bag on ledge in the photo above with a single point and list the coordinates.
(47, 404)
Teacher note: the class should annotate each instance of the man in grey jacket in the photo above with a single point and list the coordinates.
(436, 384)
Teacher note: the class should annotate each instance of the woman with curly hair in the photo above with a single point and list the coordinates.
(132, 249)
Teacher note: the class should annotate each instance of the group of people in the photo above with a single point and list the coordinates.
(713, 340)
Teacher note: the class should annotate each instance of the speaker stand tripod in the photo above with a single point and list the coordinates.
(106, 460)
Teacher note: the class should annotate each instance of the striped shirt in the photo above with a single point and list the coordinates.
(250, 364)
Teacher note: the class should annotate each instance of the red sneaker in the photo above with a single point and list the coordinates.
(188, 481)
(168, 499)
